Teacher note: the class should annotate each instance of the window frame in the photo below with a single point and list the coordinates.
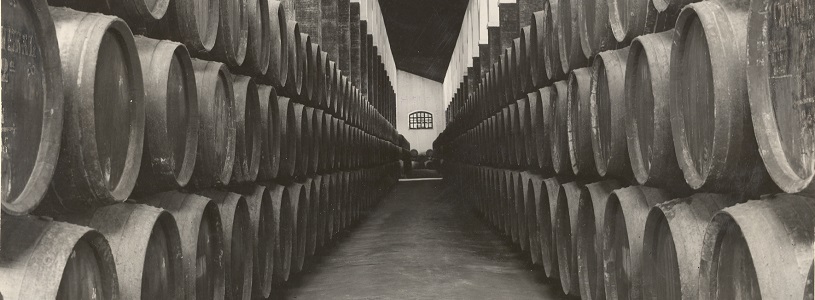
(420, 119)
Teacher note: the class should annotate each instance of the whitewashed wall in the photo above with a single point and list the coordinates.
(419, 93)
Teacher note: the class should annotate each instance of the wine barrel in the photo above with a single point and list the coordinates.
(313, 71)
(306, 68)
(578, 122)
(278, 70)
(521, 236)
(781, 91)
(647, 94)
(540, 108)
(589, 242)
(270, 132)
(547, 225)
(248, 135)
(137, 13)
(336, 190)
(593, 27)
(191, 22)
(299, 212)
(713, 136)
(146, 246)
(608, 113)
(238, 242)
(232, 33)
(762, 247)
(522, 63)
(501, 216)
(537, 45)
(294, 81)
(283, 227)
(305, 141)
(288, 144)
(323, 211)
(202, 241)
(32, 141)
(527, 132)
(568, 38)
(217, 128)
(559, 142)
(565, 234)
(171, 110)
(316, 140)
(328, 192)
(55, 260)
(264, 235)
(673, 235)
(103, 133)
(312, 186)
(624, 221)
(260, 35)
(531, 184)
(518, 145)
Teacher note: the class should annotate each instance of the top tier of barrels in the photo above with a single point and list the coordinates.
(85, 99)
(721, 92)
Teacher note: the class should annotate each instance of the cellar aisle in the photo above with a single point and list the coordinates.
(422, 243)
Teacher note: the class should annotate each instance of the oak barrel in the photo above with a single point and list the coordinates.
(593, 27)
(673, 236)
(238, 241)
(202, 241)
(32, 130)
(103, 133)
(608, 113)
(191, 22)
(624, 221)
(299, 212)
(568, 38)
(589, 244)
(264, 235)
(559, 142)
(171, 116)
(270, 132)
(578, 123)
(278, 70)
(232, 33)
(259, 38)
(761, 249)
(217, 129)
(248, 137)
(45, 259)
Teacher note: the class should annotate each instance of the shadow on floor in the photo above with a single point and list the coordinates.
(422, 242)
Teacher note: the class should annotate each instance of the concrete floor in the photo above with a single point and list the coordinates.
(422, 243)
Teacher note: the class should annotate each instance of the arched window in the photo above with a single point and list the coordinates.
(420, 120)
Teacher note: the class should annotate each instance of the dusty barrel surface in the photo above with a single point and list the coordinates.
(259, 37)
(312, 186)
(294, 76)
(55, 260)
(299, 212)
(713, 135)
(547, 226)
(278, 69)
(191, 22)
(202, 241)
(673, 235)
(533, 197)
(589, 244)
(146, 245)
(565, 233)
(647, 94)
(248, 137)
(270, 132)
(304, 115)
(568, 38)
(559, 141)
(608, 113)
(781, 88)
(171, 116)
(541, 112)
(527, 132)
(316, 139)
(217, 127)
(762, 247)
(103, 133)
(232, 33)
(593, 27)
(35, 125)
(263, 224)
(624, 221)
(536, 44)
(137, 13)
(238, 242)
(578, 123)
(281, 207)
(288, 147)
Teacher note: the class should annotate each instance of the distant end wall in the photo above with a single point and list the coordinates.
(417, 93)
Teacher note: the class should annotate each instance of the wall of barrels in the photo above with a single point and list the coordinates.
(185, 149)
(646, 149)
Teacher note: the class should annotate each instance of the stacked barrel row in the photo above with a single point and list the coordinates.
(658, 148)
(134, 168)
